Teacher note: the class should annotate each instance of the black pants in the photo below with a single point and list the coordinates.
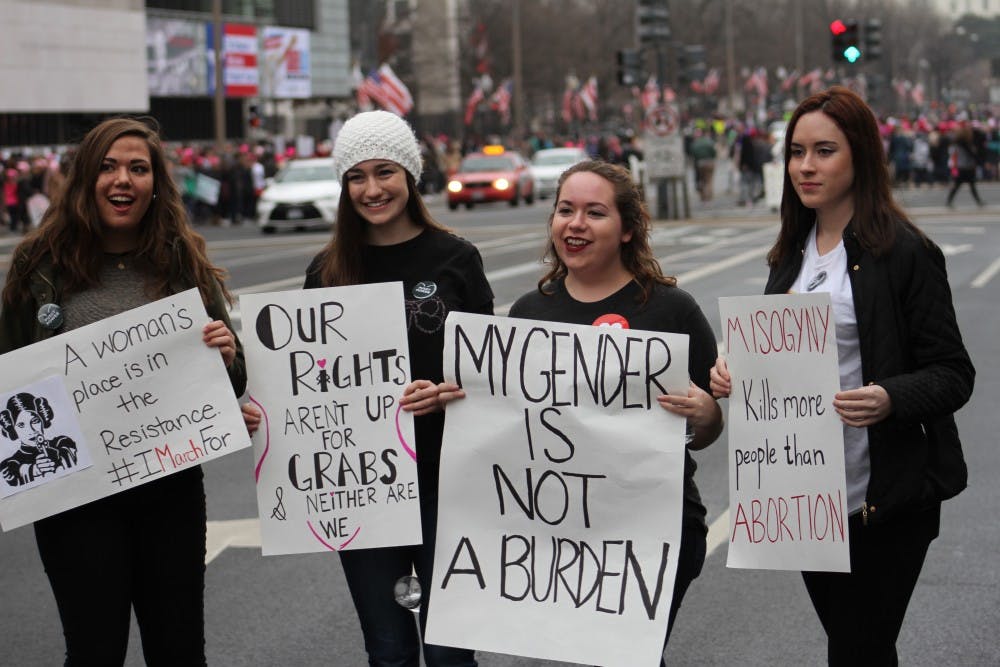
(144, 549)
(691, 560)
(862, 611)
(965, 176)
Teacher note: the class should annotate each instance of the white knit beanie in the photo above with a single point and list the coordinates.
(376, 135)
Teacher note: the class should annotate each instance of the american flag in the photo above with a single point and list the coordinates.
(567, 105)
(500, 100)
(385, 89)
(789, 80)
(757, 81)
(711, 82)
(650, 94)
(588, 96)
(470, 106)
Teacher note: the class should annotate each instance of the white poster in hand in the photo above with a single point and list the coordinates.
(787, 490)
(561, 491)
(112, 405)
(335, 456)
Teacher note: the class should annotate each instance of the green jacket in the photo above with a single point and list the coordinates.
(20, 326)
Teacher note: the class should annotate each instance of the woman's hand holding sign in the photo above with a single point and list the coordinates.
(421, 397)
(719, 380)
(863, 406)
(704, 417)
(217, 334)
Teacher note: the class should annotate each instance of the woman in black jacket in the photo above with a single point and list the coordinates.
(904, 370)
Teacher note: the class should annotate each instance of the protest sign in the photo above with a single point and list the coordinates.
(561, 491)
(336, 462)
(787, 497)
(127, 400)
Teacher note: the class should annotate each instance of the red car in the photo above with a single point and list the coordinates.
(494, 174)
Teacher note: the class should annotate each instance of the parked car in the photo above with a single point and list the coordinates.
(302, 195)
(495, 174)
(548, 164)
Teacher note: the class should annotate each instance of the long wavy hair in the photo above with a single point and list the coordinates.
(340, 262)
(637, 255)
(876, 214)
(70, 234)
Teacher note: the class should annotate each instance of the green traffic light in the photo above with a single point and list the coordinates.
(852, 54)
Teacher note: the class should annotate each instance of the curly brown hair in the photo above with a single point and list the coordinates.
(636, 253)
(70, 234)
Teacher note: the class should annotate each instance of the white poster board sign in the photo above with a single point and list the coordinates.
(140, 395)
(335, 456)
(561, 491)
(787, 488)
(664, 156)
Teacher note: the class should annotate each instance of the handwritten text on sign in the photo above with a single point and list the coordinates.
(787, 498)
(150, 398)
(336, 462)
(561, 491)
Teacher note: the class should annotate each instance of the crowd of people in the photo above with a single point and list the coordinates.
(924, 151)
(902, 377)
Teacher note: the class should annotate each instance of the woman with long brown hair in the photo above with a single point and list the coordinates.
(904, 370)
(117, 237)
(385, 234)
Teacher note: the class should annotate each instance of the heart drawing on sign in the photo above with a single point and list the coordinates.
(321, 363)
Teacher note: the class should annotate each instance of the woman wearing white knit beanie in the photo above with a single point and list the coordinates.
(385, 233)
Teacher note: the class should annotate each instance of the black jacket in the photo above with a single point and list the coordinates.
(911, 346)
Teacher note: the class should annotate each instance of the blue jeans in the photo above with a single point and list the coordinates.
(391, 638)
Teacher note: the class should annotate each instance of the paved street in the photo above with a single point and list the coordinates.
(295, 610)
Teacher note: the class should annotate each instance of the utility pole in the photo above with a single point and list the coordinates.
(518, 83)
(800, 62)
(730, 57)
(220, 90)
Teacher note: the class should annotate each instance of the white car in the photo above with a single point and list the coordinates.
(548, 164)
(303, 195)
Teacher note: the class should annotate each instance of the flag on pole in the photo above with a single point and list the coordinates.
(711, 82)
(588, 97)
(650, 94)
(364, 102)
(474, 99)
(385, 89)
(500, 100)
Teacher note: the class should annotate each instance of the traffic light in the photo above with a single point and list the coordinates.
(844, 41)
(628, 67)
(253, 116)
(873, 39)
(691, 63)
(653, 19)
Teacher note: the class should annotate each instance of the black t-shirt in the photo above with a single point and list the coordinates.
(668, 309)
(440, 273)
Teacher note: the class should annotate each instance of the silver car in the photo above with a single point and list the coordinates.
(303, 195)
(548, 164)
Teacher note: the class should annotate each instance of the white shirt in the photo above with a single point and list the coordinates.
(828, 273)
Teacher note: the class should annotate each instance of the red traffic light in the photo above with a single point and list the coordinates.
(838, 27)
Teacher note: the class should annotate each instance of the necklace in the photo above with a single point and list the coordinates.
(119, 259)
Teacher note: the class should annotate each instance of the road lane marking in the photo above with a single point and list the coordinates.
(986, 276)
(220, 535)
(718, 533)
